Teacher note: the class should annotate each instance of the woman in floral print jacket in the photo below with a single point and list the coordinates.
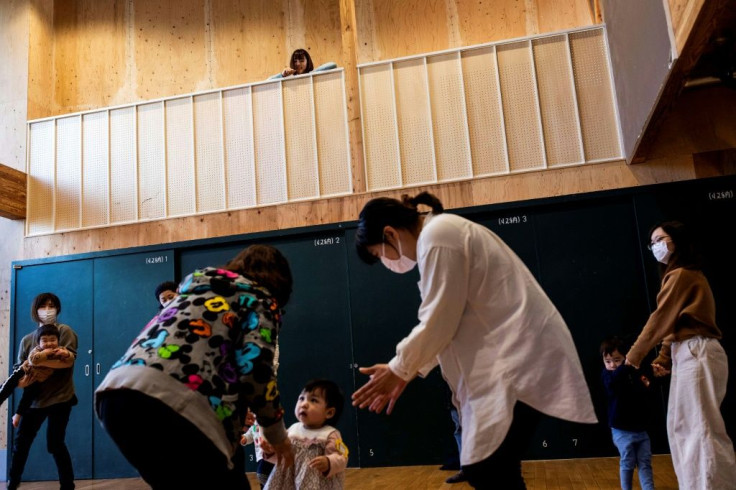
(175, 402)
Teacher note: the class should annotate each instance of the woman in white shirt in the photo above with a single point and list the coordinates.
(502, 345)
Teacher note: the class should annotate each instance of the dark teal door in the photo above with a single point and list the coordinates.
(124, 303)
(315, 340)
(72, 283)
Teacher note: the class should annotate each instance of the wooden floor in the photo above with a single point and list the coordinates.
(598, 473)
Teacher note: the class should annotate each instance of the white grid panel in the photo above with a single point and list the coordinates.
(179, 157)
(521, 110)
(41, 178)
(239, 157)
(333, 149)
(269, 144)
(209, 153)
(557, 101)
(301, 145)
(123, 183)
(415, 122)
(68, 172)
(449, 119)
(485, 114)
(382, 161)
(151, 165)
(95, 174)
(595, 100)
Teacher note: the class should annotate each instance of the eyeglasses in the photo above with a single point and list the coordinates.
(657, 240)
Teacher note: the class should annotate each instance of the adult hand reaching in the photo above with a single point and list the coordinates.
(284, 453)
(383, 388)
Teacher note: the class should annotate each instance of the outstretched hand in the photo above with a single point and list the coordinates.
(660, 370)
(284, 453)
(383, 388)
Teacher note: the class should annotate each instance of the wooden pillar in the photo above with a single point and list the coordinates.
(12, 193)
(348, 28)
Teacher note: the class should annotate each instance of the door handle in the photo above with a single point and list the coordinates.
(97, 368)
(86, 369)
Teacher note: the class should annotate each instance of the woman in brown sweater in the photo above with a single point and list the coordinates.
(685, 323)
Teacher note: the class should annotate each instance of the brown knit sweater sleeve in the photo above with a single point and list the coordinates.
(661, 324)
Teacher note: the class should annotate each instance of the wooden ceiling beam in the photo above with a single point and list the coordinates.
(12, 193)
(703, 27)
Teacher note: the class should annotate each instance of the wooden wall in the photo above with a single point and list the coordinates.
(109, 52)
(683, 14)
(14, 38)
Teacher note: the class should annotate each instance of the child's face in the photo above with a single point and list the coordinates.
(48, 342)
(311, 409)
(166, 296)
(300, 64)
(613, 360)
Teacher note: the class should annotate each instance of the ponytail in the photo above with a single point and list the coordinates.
(384, 211)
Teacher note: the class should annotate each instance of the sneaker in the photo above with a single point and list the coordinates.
(457, 477)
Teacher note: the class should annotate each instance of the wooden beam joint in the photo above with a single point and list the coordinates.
(12, 193)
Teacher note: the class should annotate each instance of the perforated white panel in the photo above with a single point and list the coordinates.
(95, 153)
(123, 165)
(209, 153)
(485, 115)
(41, 178)
(332, 137)
(521, 112)
(595, 97)
(301, 150)
(449, 119)
(557, 100)
(415, 122)
(179, 157)
(68, 172)
(151, 180)
(379, 128)
(241, 180)
(269, 144)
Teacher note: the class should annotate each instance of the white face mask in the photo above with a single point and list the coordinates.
(47, 317)
(661, 252)
(401, 265)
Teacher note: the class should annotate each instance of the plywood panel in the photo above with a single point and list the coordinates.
(557, 15)
(409, 27)
(683, 14)
(40, 58)
(322, 35)
(89, 51)
(170, 49)
(249, 40)
(490, 20)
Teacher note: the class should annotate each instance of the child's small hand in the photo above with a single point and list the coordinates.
(321, 464)
(660, 370)
(250, 418)
(288, 72)
(266, 447)
(16, 420)
(243, 440)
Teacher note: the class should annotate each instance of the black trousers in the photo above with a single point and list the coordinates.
(30, 423)
(168, 451)
(502, 469)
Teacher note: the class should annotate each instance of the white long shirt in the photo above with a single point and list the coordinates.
(494, 332)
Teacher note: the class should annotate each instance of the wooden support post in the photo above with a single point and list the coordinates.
(12, 193)
(348, 28)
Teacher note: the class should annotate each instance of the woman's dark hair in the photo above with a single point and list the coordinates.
(685, 254)
(384, 211)
(45, 330)
(266, 266)
(301, 53)
(331, 393)
(40, 300)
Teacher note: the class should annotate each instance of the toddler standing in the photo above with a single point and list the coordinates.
(320, 456)
(625, 388)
